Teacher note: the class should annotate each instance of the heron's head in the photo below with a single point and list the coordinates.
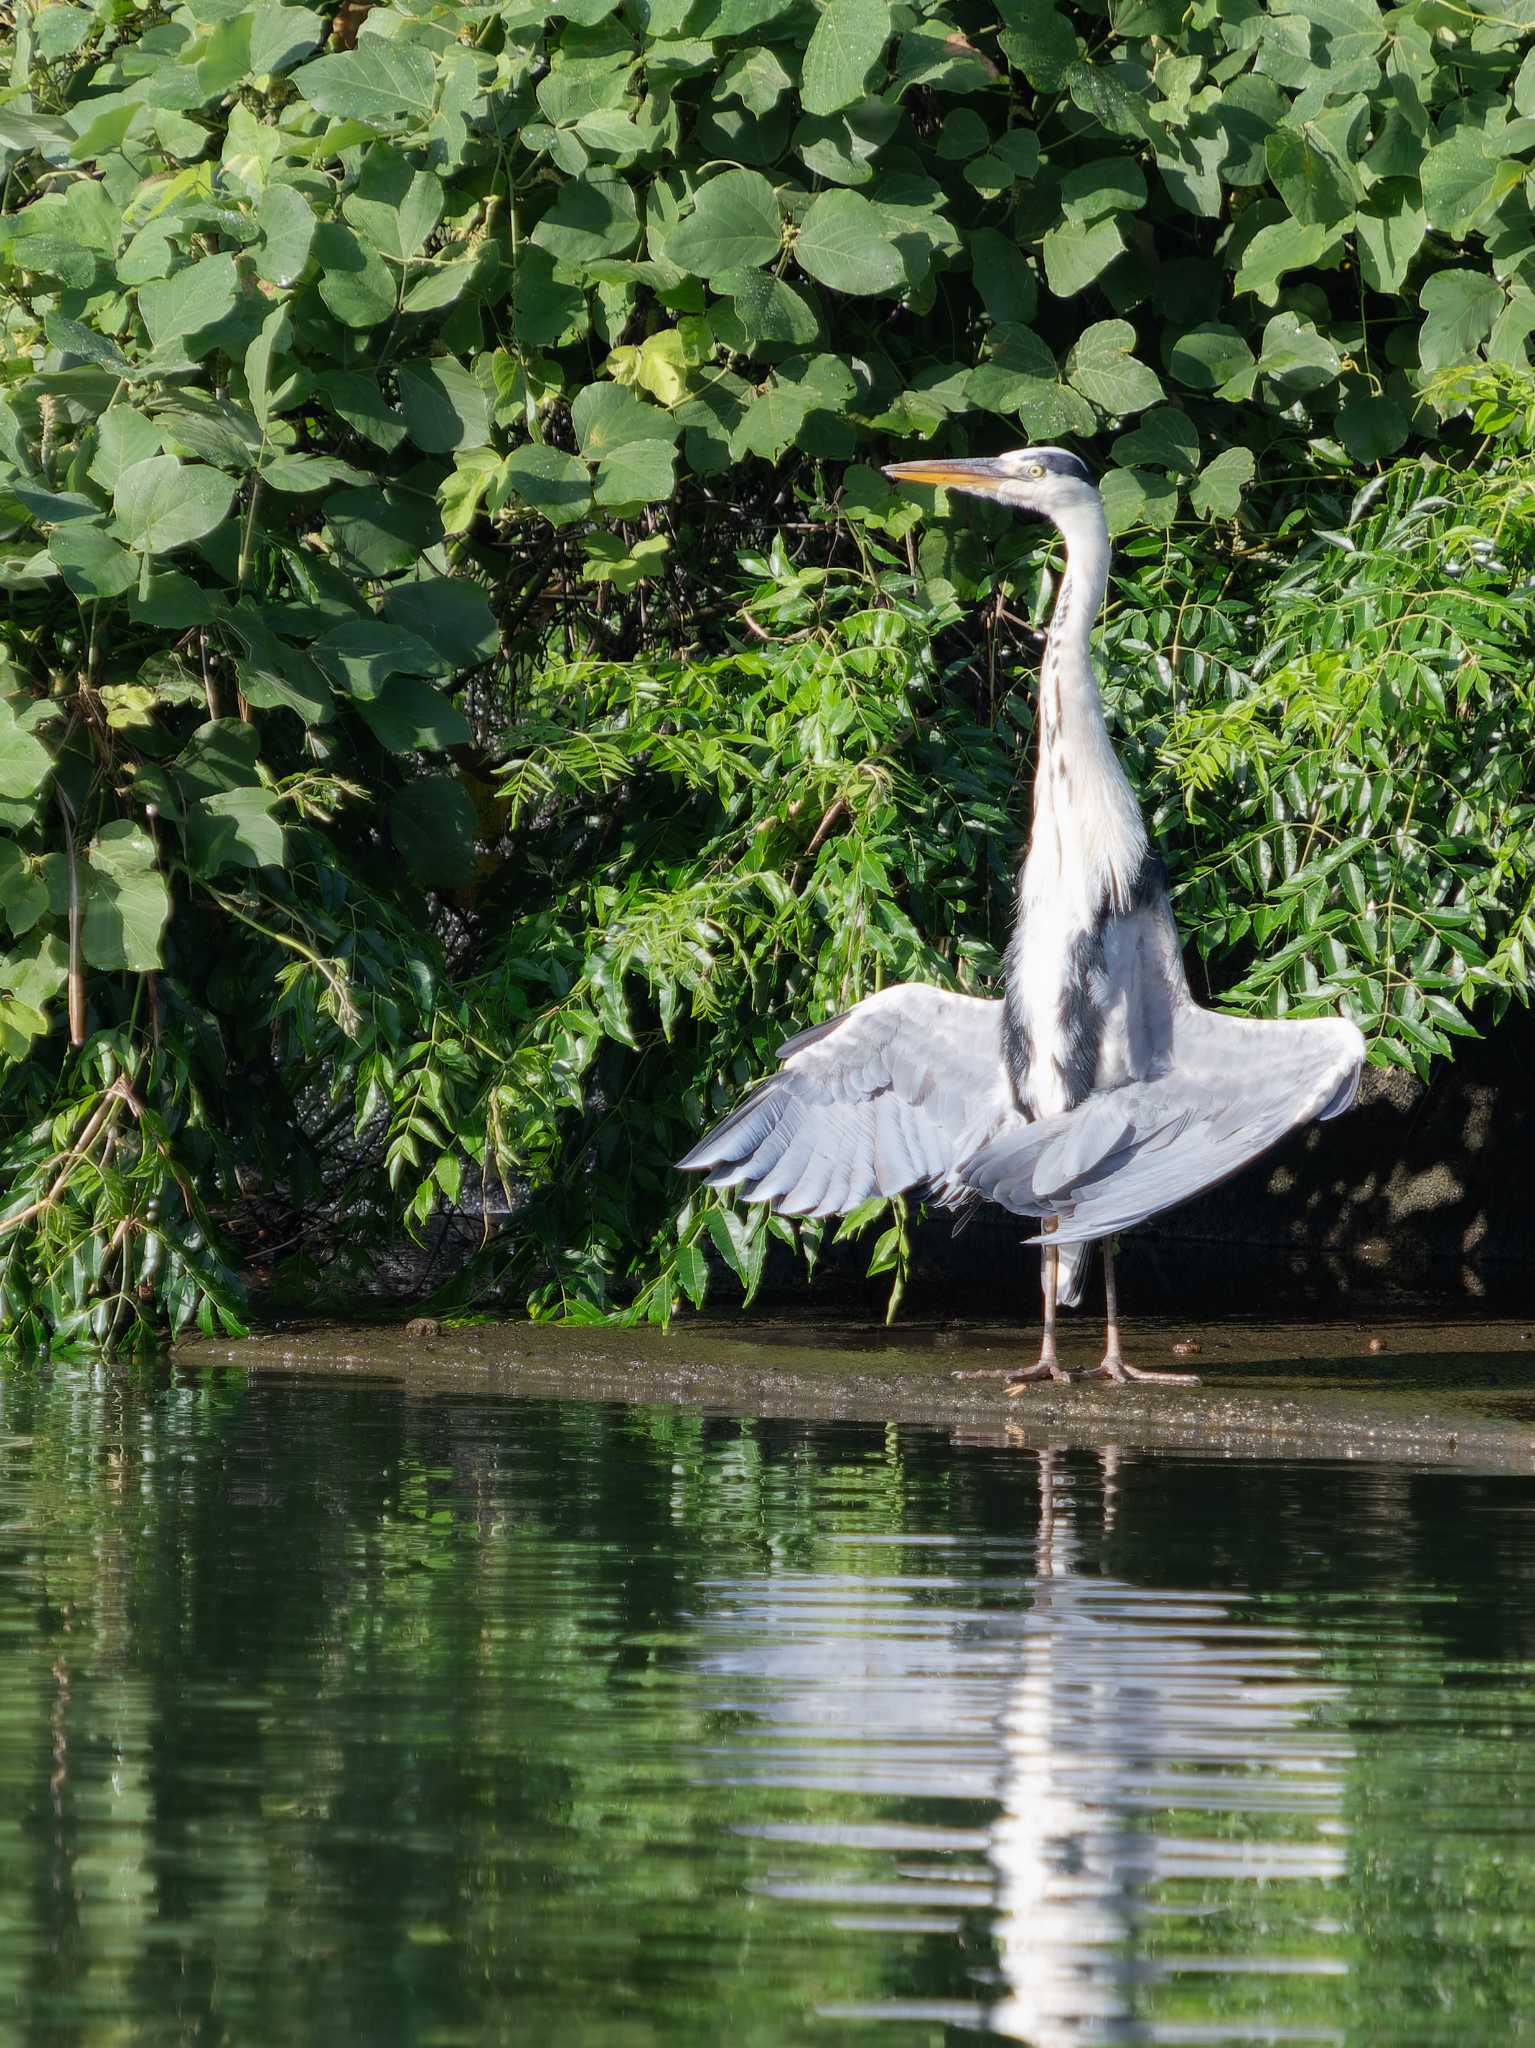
(1048, 482)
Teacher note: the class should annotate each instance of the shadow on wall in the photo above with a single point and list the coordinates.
(1421, 1192)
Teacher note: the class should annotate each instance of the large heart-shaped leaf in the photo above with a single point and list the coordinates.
(1022, 378)
(355, 281)
(1275, 251)
(845, 45)
(549, 480)
(409, 716)
(126, 900)
(1461, 306)
(606, 416)
(395, 207)
(450, 615)
(1216, 492)
(1038, 41)
(1164, 439)
(162, 504)
(24, 761)
(1296, 355)
(183, 308)
(91, 562)
(1314, 182)
(362, 654)
(280, 35)
(1463, 181)
(843, 245)
(234, 828)
(287, 225)
(590, 218)
(444, 404)
(1104, 368)
(123, 437)
(769, 311)
(1211, 358)
(23, 892)
(639, 473)
(383, 79)
(1077, 252)
(735, 225)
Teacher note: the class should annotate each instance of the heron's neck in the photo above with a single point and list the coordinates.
(1080, 789)
(1068, 688)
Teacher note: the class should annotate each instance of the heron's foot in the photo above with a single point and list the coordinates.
(1047, 1369)
(1114, 1368)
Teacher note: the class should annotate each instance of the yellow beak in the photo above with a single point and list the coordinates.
(982, 473)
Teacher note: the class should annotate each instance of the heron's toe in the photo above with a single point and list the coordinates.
(1115, 1370)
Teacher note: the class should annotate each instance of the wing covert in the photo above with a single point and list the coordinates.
(1235, 1089)
(884, 1098)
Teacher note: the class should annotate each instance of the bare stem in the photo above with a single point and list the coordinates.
(76, 958)
(105, 1111)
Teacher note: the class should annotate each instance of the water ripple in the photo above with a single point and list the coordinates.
(327, 1715)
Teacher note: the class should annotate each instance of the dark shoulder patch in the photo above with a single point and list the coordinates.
(1082, 1015)
(1150, 885)
(1017, 1052)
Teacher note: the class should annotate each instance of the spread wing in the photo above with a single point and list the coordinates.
(886, 1097)
(1234, 1089)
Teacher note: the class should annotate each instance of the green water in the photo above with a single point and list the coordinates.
(329, 1714)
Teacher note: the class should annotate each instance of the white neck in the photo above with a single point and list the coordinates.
(1086, 536)
(1068, 688)
(1083, 802)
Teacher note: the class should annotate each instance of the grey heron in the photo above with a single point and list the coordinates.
(1095, 1092)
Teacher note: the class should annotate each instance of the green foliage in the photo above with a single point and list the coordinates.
(1350, 786)
(379, 431)
(780, 826)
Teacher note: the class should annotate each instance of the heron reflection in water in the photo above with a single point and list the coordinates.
(1148, 1762)
(1149, 1739)
(1096, 1092)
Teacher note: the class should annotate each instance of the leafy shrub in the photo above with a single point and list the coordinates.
(783, 829)
(1346, 765)
(379, 430)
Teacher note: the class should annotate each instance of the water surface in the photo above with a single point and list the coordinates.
(330, 1713)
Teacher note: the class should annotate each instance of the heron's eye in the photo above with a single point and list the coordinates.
(1036, 469)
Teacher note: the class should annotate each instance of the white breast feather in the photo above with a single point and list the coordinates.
(1087, 848)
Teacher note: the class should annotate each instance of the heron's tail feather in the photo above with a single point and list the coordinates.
(1076, 1262)
(1032, 1168)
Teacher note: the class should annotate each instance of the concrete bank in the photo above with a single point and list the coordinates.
(1460, 1394)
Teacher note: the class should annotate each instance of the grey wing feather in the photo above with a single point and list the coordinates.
(1234, 1089)
(886, 1097)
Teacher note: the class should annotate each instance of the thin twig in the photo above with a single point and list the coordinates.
(107, 1107)
(76, 959)
(835, 812)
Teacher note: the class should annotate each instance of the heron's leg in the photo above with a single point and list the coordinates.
(1048, 1367)
(1113, 1366)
